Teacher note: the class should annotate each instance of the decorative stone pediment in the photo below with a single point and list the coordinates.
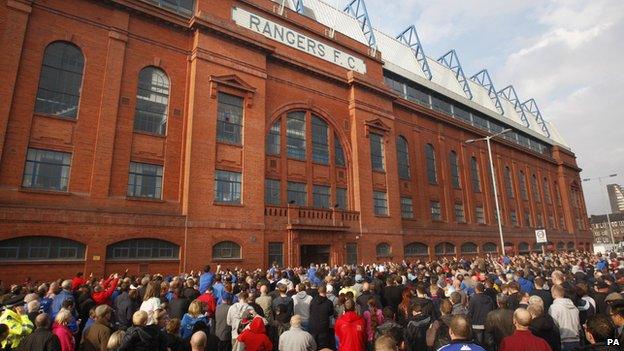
(234, 83)
(377, 126)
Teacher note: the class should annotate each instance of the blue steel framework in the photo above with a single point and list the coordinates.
(509, 93)
(410, 37)
(531, 106)
(299, 6)
(451, 61)
(483, 78)
(357, 9)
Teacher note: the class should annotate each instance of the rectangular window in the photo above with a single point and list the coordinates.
(535, 189)
(436, 211)
(296, 135)
(514, 217)
(272, 192)
(297, 194)
(320, 141)
(557, 193)
(273, 139)
(523, 187)
(474, 175)
(540, 220)
(509, 183)
(320, 196)
(352, 255)
(339, 152)
(377, 152)
(551, 221)
(341, 198)
(480, 122)
(417, 96)
(145, 180)
(380, 201)
(46, 169)
(229, 118)
(562, 223)
(527, 217)
(462, 114)
(441, 105)
(227, 187)
(460, 216)
(407, 208)
(480, 215)
(546, 188)
(276, 254)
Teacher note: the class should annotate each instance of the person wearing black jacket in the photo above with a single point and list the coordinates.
(498, 324)
(179, 304)
(124, 308)
(544, 326)
(478, 308)
(41, 339)
(425, 303)
(321, 311)
(392, 294)
(545, 295)
(141, 337)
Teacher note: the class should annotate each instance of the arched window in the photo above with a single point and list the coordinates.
(383, 250)
(41, 248)
(454, 165)
(273, 139)
(474, 175)
(489, 247)
(509, 183)
(142, 249)
(445, 248)
(523, 247)
(570, 245)
(432, 173)
(523, 186)
(60, 80)
(226, 250)
(561, 245)
(403, 158)
(416, 249)
(150, 114)
(320, 141)
(469, 248)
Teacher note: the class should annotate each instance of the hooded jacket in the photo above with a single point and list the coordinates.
(479, 306)
(301, 305)
(254, 337)
(544, 327)
(566, 314)
(321, 311)
(351, 332)
(296, 339)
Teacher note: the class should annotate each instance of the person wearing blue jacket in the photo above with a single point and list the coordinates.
(205, 280)
(65, 294)
(525, 284)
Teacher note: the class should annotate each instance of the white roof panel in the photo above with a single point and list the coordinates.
(397, 52)
(334, 18)
(481, 97)
(444, 77)
(510, 111)
(555, 135)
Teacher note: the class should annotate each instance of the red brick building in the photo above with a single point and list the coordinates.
(161, 135)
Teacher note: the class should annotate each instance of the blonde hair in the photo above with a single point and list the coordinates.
(139, 318)
(195, 308)
(114, 342)
(63, 317)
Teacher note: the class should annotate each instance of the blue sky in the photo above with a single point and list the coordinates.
(565, 54)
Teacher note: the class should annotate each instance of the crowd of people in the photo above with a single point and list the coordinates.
(537, 302)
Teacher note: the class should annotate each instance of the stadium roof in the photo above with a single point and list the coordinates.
(404, 55)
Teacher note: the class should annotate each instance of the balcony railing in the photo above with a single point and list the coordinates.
(311, 218)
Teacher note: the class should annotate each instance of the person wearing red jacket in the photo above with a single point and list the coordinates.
(77, 281)
(102, 292)
(350, 329)
(254, 337)
(522, 339)
(210, 302)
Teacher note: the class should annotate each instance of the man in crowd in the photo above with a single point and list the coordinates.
(460, 331)
(522, 339)
(566, 314)
(41, 338)
(296, 339)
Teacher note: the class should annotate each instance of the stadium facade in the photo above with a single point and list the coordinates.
(160, 135)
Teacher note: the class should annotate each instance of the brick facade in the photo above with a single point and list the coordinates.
(202, 56)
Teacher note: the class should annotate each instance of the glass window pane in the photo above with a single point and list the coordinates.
(416, 249)
(339, 152)
(474, 174)
(377, 152)
(341, 198)
(460, 216)
(320, 194)
(276, 254)
(272, 192)
(320, 141)
(436, 211)
(403, 158)
(296, 135)
(41, 248)
(145, 180)
(454, 165)
(407, 208)
(226, 250)
(273, 139)
(46, 169)
(60, 80)
(297, 194)
(230, 118)
(227, 187)
(380, 203)
(152, 101)
(432, 173)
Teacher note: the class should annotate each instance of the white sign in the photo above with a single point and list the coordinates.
(540, 236)
(297, 40)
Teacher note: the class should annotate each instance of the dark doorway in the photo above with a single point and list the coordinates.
(314, 254)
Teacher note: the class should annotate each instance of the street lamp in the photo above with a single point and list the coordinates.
(608, 208)
(498, 215)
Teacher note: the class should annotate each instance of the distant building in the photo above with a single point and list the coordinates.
(600, 228)
(616, 197)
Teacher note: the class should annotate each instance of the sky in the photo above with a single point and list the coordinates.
(568, 55)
